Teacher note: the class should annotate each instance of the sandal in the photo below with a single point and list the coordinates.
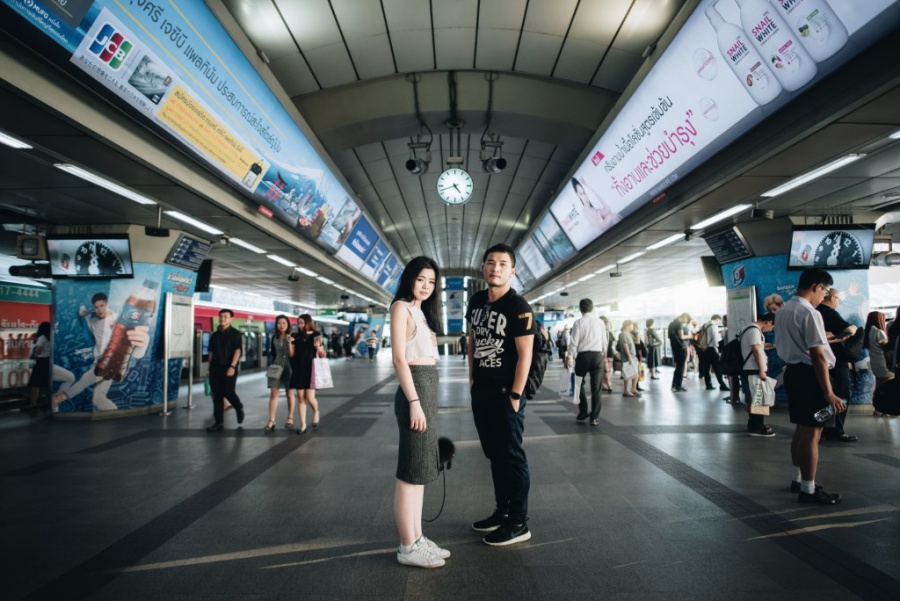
(270, 427)
(289, 424)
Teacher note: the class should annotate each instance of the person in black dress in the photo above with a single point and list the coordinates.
(307, 346)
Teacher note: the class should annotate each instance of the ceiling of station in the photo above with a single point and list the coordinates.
(542, 76)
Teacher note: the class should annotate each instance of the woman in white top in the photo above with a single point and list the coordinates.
(415, 320)
(876, 341)
(40, 373)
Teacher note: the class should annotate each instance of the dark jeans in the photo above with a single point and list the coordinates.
(589, 363)
(679, 355)
(840, 384)
(709, 359)
(500, 430)
(223, 388)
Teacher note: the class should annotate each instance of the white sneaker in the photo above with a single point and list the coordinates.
(104, 404)
(442, 553)
(421, 556)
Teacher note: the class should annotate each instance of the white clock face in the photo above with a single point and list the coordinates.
(454, 186)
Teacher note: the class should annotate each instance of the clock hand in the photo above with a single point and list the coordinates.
(835, 250)
(448, 187)
(457, 188)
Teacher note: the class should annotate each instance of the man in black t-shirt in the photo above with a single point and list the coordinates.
(838, 329)
(677, 339)
(501, 336)
(224, 358)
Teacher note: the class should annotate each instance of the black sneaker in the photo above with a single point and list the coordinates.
(215, 428)
(489, 524)
(595, 422)
(710, 387)
(820, 497)
(724, 387)
(240, 415)
(764, 431)
(508, 534)
(581, 417)
(795, 487)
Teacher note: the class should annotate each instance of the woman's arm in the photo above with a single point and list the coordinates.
(401, 324)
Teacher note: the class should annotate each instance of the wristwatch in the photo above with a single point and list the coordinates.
(515, 396)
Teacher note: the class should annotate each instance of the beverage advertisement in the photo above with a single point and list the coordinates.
(22, 309)
(176, 67)
(107, 340)
(734, 63)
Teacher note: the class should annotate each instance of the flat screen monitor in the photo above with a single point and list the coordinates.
(832, 246)
(728, 245)
(713, 271)
(86, 256)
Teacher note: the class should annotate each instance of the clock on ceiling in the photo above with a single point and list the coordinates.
(454, 186)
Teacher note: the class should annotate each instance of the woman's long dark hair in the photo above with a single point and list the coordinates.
(277, 334)
(874, 319)
(43, 330)
(431, 306)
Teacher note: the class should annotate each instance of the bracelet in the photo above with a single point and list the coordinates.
(413, 401)
(232, 366)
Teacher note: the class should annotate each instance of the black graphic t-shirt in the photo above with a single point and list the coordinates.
(496, 326)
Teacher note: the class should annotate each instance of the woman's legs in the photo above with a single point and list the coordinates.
(273, 404)
(301, 407)
(311, 399)
(408, 502)
(292, 404)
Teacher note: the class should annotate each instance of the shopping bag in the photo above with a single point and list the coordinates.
(629, 370)
(321, 374)
(576, 389)
(763, 391)
(640, 372)
(564, 386)
(207, 387)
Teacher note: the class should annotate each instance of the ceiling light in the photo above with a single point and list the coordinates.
(895, 135)
(632, 257)
(306, 271)
(14, 142)
(666, 241)
(105, 183)
(416, 166)
(720, 217)
(196, 223)
(814, 174)
(246, 245)
(494, 164)
(326, 280)
(281, 260)
(605, 269)
(338, 286)
(585, 278)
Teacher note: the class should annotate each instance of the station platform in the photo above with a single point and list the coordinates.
(668, 498)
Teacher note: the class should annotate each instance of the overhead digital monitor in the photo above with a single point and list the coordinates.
(832, 246)
(83, 256)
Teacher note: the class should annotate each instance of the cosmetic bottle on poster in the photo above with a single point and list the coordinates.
(743, 59)
(772, 37)
(815, 24)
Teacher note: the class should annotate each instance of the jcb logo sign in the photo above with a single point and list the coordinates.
(111, 46)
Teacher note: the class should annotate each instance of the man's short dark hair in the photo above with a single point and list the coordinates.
(500, 248)
(767, 318)
(811, 277)
(229, 311)
(586, 305)
(100, 296)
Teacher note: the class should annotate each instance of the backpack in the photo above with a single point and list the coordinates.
(543, 348)
(732, 362)
(851, 350)
(703, 336)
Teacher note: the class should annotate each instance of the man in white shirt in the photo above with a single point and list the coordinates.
(803, 346)
(588, 346)
(709, 355)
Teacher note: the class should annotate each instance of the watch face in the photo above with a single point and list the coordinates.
(93, 257)
(838, 248)
(454, 186)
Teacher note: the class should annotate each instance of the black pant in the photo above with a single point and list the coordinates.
(840, 384)
(223, 388)
(709, 359)
(589, 363)
(500, 430)
(679, 355)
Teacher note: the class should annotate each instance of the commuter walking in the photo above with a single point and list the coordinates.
(415, 321)
(39, 379)
(372, 345)
(709, 353)
(307, 346)
(501, 338)
(589, 348)
(225, 348)
(678, 341)
(281, 350)
(803, 346)
(606, 385)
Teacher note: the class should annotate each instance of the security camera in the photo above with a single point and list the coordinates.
(416, 166)
(32, 270)
(615, 274)
(225, 241)
(494, 164)
(688, 235)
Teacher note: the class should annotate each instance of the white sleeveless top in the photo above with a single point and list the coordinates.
(423, 343)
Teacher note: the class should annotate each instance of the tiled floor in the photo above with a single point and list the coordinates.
(667, 499)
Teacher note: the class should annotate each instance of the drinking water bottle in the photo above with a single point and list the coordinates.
(137, 312)
(822, 415)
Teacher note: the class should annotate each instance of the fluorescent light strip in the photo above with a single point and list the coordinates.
(104, 183)
(281, 260)
(632, 257)
(720, 217)
(324, 279)
(14, 142)
(306, 271)
(666, 241)
(585, 278)
(196, 223)
(895, 135)
(814, 174)
(246, 245)
(605, 269)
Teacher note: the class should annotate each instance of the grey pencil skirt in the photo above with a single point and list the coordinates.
(417, 452)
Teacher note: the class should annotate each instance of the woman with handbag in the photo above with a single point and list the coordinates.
(654, 343)
(629, 359)
(281, 350)
(307, 346)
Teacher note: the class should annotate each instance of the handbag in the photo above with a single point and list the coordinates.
(321, 374)
(565, 382)
(274, 371)
(763, 390)
(629, 370)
